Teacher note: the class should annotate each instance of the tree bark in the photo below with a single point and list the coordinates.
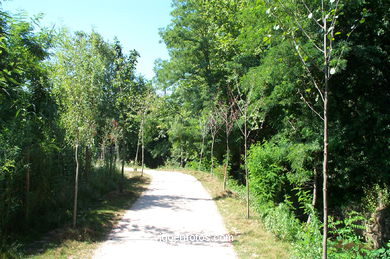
(325, 173)
(201, 153)
(87, 168)
(76, 187)
(122, 176)
(227, 163)
(246, 167)
(110, 166)
(136, 153)
(103, 151)
(325, 162)
(212, 154)
(143, 148)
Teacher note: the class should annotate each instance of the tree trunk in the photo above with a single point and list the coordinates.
(325, 162)
(227, 163)
(212, 154)
(103, 150)
(201, 153)
(122, 176)
(76, 187)
(143, 148)
(116, 155)
(181, 155)
(110, 161)
(246, 167)
(325, 173)
(87, 162)
(136, 153)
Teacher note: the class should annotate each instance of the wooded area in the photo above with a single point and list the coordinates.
(287, 101)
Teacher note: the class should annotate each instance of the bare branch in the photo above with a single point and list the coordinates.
(308, 9)
(309, 105)
(295, 129)
(300, 27)
(334, 19)
(308, 70)
(308, 36)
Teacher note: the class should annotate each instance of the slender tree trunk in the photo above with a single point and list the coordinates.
(76, 187)
(102, 155)
(246, 167)
(201, 153)
(27, 201)
(87, 162)
(110, 161)
(143, 148)
(325, 173)
(325, 162)
(212, 154)
(227, 163)
(122, 176)
(136, 153)
(181, 155)
(117, 157)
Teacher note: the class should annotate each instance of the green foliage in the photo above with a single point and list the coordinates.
(381, 253)
(376, 197)
(282, 222)
(46, 107)
(267, 174)
(346, 242)
(307, 243)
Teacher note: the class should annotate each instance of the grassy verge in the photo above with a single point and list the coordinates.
(94, 224)
(251, 240)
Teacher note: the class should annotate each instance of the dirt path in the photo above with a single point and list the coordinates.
(174, 218)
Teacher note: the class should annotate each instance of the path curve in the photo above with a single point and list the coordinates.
(174, 218)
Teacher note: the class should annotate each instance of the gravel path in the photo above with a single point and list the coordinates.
(174, 218)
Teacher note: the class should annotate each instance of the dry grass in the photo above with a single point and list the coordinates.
(251, 240)
(80, 243)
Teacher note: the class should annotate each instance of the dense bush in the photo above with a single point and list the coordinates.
(268, 172)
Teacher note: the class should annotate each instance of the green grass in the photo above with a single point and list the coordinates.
(94, 224)
(251, 240)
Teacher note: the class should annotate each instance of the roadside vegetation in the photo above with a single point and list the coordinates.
(98, 216)
(286, 101)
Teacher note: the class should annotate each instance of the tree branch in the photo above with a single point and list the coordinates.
(308, 9)
(308, 70)
(309, 105)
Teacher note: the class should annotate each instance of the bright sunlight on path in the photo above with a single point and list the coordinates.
(176, 206)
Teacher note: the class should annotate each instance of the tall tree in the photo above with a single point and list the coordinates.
(77, 75)
(312, 33)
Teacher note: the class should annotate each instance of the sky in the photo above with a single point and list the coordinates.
(135, 23)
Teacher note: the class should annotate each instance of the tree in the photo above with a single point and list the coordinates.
(249, 115)
(214, 124)
(145, 105)
(323, 43)
(77, 76)
(204, 131)
(124, 85)
(228, 116)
